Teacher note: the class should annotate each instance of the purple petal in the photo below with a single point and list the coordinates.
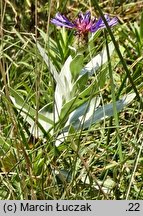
(61, 20)
(113, 21)
(84, 18)
(106, 16)
(100, 23)
(87, 17)
(80, 16)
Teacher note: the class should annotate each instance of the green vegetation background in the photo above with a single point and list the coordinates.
(87, 166)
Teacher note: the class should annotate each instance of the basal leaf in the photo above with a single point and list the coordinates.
(62, 93)
(98, 113)
(29, 114)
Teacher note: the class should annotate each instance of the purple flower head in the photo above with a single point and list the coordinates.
(84, 24)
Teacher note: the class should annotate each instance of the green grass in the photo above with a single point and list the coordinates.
(103, 161)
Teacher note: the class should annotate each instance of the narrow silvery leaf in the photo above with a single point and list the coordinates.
(22, 111)
(29, 115)
(82, 113)
(63, 81)
(61, 138)
(107, 110)
(97, 61)
(65, 76)
(46, 113)
(62, 94)
(51, 67)
(63, 175)
(98, 113)
(85, 110)
(45, 118)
